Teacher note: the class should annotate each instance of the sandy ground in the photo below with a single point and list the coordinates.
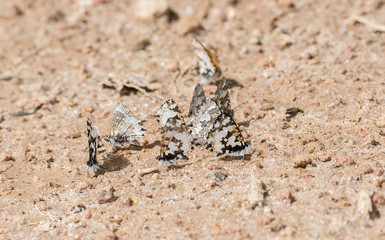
(315, 175)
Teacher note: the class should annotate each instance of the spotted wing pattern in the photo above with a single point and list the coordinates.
(226, 138)
(126, 128)
(222, 98)
(176, 141)
(202, 121)
(93, 145)
(208, 63)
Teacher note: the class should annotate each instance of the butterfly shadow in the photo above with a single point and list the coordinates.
(246, 157)
(114, 162)
(180, 165)
(231, 83)
(245, 123)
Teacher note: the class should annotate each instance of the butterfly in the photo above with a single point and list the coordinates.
(176, 141)
(208, 63)
(203, 113)
(212, 122)
(93, 145)
(126, 128)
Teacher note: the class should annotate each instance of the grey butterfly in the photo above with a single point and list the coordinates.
(125, 127)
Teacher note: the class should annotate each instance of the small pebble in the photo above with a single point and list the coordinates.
(211, 166)
(301, 161)
(83, 185)
(286, 197)
(42, 206)
(323, 156)
(220, 176)
(171, 67)
(155, 176)
(142, 45)
(374, 143)
(342, 159)
(106, 194)
(43, 227)
(264, 220)
(379, 199)
(149, 9)
(78, 208)
(88, 214)
(368, 170)
(365, 205)
(366, 96)
(308, 138)
(111, 237)
(378, 172)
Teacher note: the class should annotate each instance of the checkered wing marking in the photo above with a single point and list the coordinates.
(176, 141)
(222, 97)
(208, 63)
(170, 110)
(197, 101)
(93, 145)
(226, 138)
(126, 128)
(202, 123)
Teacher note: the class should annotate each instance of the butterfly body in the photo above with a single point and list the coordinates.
(93, 145)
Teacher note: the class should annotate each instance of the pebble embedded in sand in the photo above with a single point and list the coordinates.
(106, 194)
(301, 161)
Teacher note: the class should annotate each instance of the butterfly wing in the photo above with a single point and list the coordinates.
(208, 63)
(202, 123)
(226, 138)
(170, 110)
(197, 101)
(125, 126)
(93, 145)
(176, 141)
(222, 98)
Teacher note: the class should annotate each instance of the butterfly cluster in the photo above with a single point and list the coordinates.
(211, 124)
(211, 121)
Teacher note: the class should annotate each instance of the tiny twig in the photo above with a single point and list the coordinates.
(145, 171)
(157, 98)
(44, 214)
(371, 24)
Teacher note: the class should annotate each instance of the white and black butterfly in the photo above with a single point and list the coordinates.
(176, 141)
(212, 122)
(203, 114)
(93, 145)
(208, 63)
(125, 127)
